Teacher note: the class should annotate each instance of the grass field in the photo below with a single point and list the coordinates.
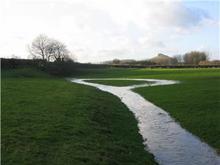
(172, 74)
(48, 120)
(195, 102)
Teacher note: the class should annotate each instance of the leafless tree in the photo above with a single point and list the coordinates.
(194, 57)
(57, 51)
(39, 46)
(49, 49)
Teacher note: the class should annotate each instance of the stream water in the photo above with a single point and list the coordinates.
(162, 136)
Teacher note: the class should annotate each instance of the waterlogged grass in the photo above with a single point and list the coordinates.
(194, 103)
(118, 82)
(47, 120)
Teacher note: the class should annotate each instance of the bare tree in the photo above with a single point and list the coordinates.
(57, 51)
(194, 57)
(38, 48)
(49, 49)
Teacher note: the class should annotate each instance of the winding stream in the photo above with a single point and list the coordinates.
(162, 136)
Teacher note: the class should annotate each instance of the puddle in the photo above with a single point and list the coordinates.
(162, 136)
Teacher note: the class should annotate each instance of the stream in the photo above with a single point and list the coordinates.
(162, 135)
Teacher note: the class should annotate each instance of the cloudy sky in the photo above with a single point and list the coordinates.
(98, 30)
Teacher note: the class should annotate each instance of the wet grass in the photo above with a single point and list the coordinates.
(47, 120)
(194, 103)
(118, 82)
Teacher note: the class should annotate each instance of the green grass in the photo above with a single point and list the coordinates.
(172, 74)
(47, 120)
(194, 103)
(118, 82)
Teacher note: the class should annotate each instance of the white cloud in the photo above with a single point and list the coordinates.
(97, 30)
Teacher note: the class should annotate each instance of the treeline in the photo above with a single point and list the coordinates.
(192, 58)
(57, 68)
(53, 57)
(52, 50)
(69, 68)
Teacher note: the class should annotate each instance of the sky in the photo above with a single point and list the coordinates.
(100, 30)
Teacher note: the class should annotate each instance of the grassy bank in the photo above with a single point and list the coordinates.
(47, 120)
(195, 102)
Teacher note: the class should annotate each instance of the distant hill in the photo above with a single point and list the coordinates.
(128, 62)
(163, 59)
(160, 59)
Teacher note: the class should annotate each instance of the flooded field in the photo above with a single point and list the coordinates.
(162, 136)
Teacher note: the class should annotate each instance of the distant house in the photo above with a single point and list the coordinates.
(162, 59)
